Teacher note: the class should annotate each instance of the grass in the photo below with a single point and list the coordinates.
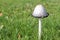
(16, 22)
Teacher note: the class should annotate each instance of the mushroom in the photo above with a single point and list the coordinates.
(40, 12)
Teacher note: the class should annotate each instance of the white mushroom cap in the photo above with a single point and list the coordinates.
(40, 12)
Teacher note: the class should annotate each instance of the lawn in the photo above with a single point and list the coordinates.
(17, 23)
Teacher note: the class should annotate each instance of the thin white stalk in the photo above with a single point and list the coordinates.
(39, 30)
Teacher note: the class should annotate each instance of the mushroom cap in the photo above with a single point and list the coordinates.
(40, 12)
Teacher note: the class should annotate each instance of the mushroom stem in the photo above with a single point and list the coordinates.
(39, 30)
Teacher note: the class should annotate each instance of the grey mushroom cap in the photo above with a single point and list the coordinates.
(40, 12)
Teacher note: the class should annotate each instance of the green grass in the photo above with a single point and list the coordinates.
(17, 23)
